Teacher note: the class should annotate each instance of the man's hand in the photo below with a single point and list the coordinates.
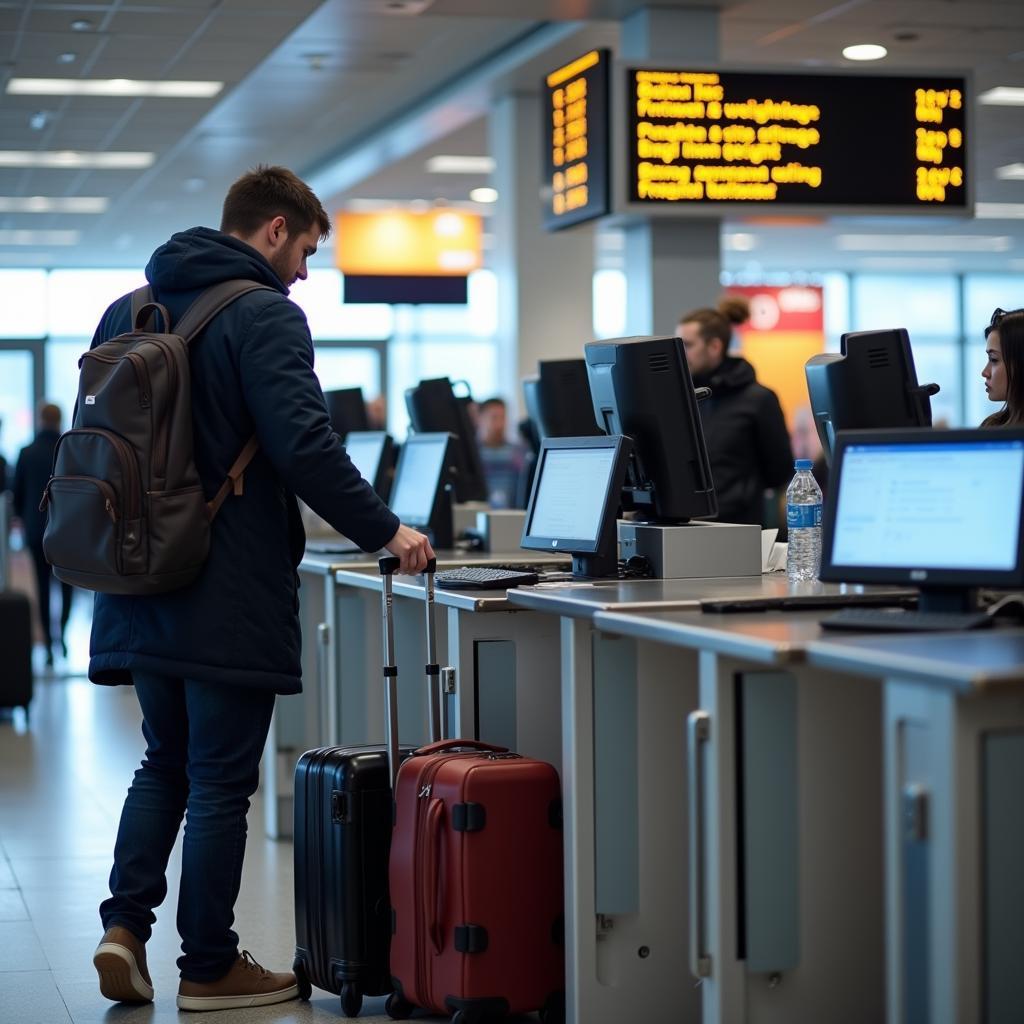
(412, 548)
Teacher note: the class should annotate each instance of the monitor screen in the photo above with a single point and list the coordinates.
(936, 509)
(571, 492)
(419, 474)
(365, 450)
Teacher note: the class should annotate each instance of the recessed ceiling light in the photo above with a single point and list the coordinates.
(74, 160)
(81, 25)
(53, 204)
(484, 195)
(1003, 96)
(1010, 172)
(67, 57)
(38, 121)
(460, 165)
(924, 243)
(865, 51)
(739, 241)
(20, 237)
(111, 87)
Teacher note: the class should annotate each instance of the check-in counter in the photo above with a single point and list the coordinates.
(953, 715)
(776, 828)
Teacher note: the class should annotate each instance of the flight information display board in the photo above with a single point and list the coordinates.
(702, 138)
(576, 141)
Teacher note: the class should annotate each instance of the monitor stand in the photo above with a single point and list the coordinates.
(947, 599)
(595, 567)
(693, 550)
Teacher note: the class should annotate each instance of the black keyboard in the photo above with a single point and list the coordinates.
(899, 620)
(484, 579)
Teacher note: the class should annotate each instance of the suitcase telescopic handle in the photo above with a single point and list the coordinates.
(388, 565)
(433, 669)
(698, 732)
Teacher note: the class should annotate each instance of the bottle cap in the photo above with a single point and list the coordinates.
(804, 464)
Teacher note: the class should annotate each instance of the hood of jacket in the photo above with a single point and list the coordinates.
(201, 257)
(732, 374)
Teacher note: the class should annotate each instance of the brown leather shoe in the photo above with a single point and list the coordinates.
(246, 984)
(120, 961)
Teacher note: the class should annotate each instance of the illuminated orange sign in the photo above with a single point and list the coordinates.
(439, 243)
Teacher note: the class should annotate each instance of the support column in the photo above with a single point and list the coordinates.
(672, 263)
(545, 279)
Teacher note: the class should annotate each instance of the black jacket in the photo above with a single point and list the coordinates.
(252, 369)
(747, 440)
(30, 475)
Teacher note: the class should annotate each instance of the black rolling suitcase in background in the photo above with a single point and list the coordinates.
(343, 824)
(15, 650)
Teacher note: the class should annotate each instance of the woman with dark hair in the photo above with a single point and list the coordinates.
(1004, 371)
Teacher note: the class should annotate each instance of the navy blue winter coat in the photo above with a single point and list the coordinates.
(252, 370)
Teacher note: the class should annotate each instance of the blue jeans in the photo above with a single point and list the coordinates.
(203, 747)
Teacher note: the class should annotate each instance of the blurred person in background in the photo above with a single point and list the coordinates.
(744, 427)
(503, 461)
(30, 476)
(1004, 370)
(5, 482)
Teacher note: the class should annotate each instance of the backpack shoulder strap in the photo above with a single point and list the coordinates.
(236, 477)
(210, 303)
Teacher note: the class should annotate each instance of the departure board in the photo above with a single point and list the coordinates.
(575, 141)
(701, 138)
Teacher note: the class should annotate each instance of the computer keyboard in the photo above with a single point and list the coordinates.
(900, 620)
(484, 579)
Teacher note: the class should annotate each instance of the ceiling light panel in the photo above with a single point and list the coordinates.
(460, 164)
(22, 237)
(923, 243)
(75, 159)
(1003, 96)
(999, 211)
(1010, 172)
(111, 87)
(53, 204)
(865, 51)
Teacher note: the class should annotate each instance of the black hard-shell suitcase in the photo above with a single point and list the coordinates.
(15, 650)
(343, 824)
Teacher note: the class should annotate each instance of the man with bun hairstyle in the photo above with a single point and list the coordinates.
(744, 427)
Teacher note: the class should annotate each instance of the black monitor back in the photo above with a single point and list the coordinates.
(434, 408)
(641, 387)
(347, 410)
(871, 384)
(558, 400)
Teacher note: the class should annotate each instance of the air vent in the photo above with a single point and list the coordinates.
(658, 363)
(878, 358)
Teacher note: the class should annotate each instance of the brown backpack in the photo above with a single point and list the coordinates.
(127, 514)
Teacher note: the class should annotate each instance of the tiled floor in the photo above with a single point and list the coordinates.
(63, 777)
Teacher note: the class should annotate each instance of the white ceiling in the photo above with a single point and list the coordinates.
(308, 81)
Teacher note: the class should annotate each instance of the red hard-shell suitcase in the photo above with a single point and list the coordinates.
(476, 882)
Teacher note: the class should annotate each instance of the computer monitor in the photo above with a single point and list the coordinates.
(575, 501)
(433, 406)
(347, 411)
(641, 387)
(420, 496)
(558, 399)
(937, 509)
(870, 384)
(373, 453)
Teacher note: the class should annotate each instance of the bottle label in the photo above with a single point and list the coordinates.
(800, 516)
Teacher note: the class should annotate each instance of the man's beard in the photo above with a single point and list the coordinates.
(283, 263)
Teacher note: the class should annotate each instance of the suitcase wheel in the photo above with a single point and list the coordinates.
(302, 978)
(467, 1017)
(553, 1011)
(351, 999)
(398, 1008)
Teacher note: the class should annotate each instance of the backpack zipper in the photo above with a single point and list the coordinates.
(108, 492)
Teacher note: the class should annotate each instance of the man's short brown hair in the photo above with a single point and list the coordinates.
(269, 192)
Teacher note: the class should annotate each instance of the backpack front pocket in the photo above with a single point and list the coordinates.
(84, 526)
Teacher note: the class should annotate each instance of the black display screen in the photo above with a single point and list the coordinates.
(575, 144)
(702, 138)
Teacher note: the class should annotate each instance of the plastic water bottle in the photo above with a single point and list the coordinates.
(803, 522)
